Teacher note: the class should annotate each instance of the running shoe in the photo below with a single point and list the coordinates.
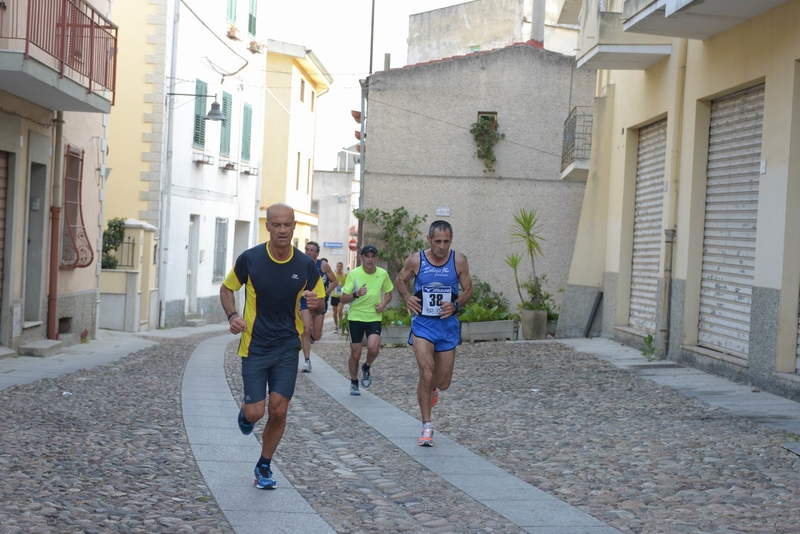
(307, 366)
(335, 329)
(366, 379)
(245, 426)
(354, 389)
(264, 478)
(434, 397)
(426, 436)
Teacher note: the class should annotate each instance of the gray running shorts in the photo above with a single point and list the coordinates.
(279, 372)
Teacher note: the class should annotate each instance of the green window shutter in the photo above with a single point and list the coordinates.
(247, 121)
(251, 22)
(225, 132)
(200, 88)
(232, 10)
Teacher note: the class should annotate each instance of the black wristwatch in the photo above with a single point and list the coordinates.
(355, 295)
(456, 306)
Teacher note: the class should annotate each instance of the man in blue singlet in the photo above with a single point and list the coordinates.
(435, 330)
(312, 325)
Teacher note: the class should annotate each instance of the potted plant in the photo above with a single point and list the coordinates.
(533, 313)
(396, 326)
(486, 317)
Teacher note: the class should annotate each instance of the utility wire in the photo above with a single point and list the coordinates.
(219, 39)
(372, 100)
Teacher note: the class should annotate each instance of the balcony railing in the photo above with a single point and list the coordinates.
(81, 41)
(577, 136)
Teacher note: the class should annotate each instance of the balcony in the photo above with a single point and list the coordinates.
(577, 147)
(568, 11)
(58, 54)
(691, 19)
(603, 45)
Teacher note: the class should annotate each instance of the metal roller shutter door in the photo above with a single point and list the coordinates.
(729, 234)
(647, 223)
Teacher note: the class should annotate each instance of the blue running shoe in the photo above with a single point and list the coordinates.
(366, 379)
(354, 389)
(264, 478)
(244, 425)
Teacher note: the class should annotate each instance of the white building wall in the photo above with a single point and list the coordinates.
(208, 191)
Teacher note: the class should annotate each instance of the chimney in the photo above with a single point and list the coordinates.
(537, 20)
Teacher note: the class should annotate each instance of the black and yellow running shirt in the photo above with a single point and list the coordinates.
(273, 289)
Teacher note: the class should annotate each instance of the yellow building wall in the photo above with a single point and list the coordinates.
(127, 125)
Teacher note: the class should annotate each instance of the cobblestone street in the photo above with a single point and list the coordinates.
(105, 450)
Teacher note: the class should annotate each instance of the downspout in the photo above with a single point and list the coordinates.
(55, 228)
(166, 190)
(675, 132)
(360, 231)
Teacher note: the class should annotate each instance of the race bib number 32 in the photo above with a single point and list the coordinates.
(432, 299)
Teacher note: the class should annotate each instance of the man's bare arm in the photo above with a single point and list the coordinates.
(464, 279)
(401, 283)
(228, 301)
(332, 281)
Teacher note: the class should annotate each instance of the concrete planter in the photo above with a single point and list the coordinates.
(534, 324)
(395, 334)
(552, 326)
(489, 331)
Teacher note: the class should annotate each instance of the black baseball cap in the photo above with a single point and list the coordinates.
(368, 248)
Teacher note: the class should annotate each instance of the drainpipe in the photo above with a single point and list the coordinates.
(55, 229)
(675, 132)
(166, 189)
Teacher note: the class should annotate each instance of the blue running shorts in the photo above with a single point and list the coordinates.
(279, 372)
(445, 334)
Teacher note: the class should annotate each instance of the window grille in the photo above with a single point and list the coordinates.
(247, 121)
(76, 250)
(231, 10)
(225, 132)
(251, 21)
(200, 114)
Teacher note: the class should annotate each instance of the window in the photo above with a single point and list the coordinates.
(247, 122)
(76, 250)
(308, 179)
(231, 15)
(487, 116)
(302, 90)
(315, 207)
(220, 249)
(297, 185)
(225, 132)
(251, 20)
(199, 140)
(312, 101)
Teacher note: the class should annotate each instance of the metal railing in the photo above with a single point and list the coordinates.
(577, 136)
(83, 42)
(126, 254)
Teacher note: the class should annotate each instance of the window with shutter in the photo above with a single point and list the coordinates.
(232, 10)
(220, 249)
(76, 250)
(297, 183)
(247, 121)
(251, 21)
(225, 132)
(200, 114)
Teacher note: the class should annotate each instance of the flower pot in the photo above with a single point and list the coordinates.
(395, 334)
(534, 324)
(491, 331)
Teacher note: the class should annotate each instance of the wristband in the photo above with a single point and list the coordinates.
(355, 294)
(456, 306)
(230, 315)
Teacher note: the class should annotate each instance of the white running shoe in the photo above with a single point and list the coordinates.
(307, 366)
(426, 436)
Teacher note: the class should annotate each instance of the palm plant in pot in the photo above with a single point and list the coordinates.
(533, 309)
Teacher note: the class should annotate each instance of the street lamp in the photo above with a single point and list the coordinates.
(215, 114)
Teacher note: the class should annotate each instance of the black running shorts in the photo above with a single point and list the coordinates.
(278, 372)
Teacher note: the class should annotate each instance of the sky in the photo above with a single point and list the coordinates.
(338, 31)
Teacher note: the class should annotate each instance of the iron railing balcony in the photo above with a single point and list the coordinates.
(69, 37)
(577, 147)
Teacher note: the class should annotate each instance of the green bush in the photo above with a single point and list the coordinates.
(396, 316)
(475, 313)
(483, 296)
(112, 239)
(539, 299)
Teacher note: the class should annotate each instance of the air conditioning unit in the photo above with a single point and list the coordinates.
(205, 159)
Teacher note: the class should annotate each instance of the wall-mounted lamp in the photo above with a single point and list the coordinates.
(216, 112)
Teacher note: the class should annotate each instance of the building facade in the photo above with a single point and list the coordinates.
(295, 80)
(483, 25)
(195, 96)
(420, 153)
(55, 97)
(690, 222)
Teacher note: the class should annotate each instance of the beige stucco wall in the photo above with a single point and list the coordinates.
(765, 49)
(420, 153)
